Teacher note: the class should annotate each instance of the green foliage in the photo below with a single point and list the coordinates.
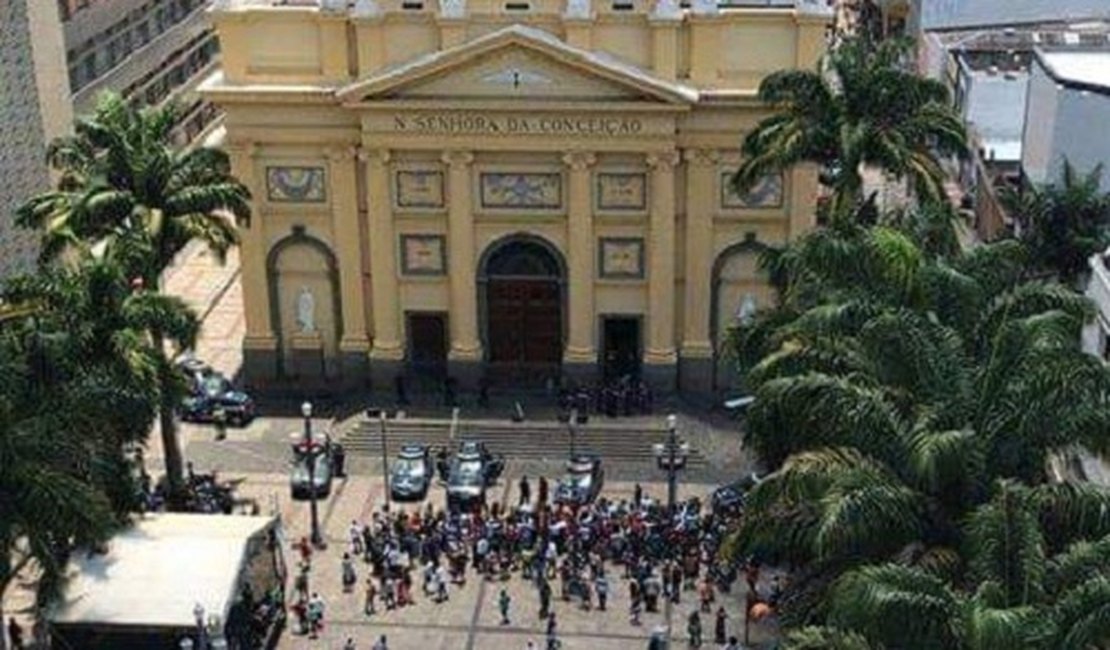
(1063, 223)
(908, 403)
(76, 390)
(127, 193)
(861, 108)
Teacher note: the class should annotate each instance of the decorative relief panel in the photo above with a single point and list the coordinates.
(419, 189)
(501, 190)
(621, 257)
(767, 193)
(423, 254)
(622, 191)
(296, 184)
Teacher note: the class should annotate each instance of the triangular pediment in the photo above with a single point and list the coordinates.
(520, 62)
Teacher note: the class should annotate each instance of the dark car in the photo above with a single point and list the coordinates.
(212, 395)
(472, 470)
(729, 499)
(411, 474)
(582, 482)
(326, 453)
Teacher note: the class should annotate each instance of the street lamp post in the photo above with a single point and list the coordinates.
(672, 447)
(671, 456)
(306, 411)
(572, 428)
(385, 459)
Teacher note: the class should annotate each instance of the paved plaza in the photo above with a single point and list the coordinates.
(470, 618)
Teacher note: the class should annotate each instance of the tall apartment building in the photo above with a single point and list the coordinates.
(58, 56)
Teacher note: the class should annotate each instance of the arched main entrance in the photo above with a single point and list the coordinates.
(521, 286)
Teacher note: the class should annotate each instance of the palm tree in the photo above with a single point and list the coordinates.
(1063, 223)
(77, 388)
(1029, 588)
(860, 109)
(894, 389)
(124, 187)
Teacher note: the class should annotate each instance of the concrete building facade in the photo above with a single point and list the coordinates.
(32, 112)
(1069, 94)
(520, 192)
(57, 56)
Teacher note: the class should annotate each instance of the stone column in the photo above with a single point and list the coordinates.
(354, 344)
(696, 357)
(464, 360)
(259, 344)
(387, 352)
(580, 359)
(660, 357)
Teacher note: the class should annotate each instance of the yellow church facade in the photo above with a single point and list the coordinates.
(514, 191)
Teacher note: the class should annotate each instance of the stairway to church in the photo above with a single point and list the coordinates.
(614, 441)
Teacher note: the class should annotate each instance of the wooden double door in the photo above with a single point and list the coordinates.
(524, 329)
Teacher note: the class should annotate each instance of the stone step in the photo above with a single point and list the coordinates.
(623, 441)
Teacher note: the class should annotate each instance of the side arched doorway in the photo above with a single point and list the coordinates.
(740, 286)
(305, 313)
(521, 285)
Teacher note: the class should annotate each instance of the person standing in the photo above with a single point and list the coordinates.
(601, 585)
(381, 644)
(637, 496)
(503, 602)
(525, 491)
(552, 638)
(315, 615)
(355, 535)
(348, 571)
(545, 598)
(300, 583)
(542, 500)
(719, 627)
(693, 629)
(441, 584)
(371, 595)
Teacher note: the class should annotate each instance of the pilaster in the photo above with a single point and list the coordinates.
(465, 346)
(354, 344)
(666, 18)
(252, 244)
(580, 253)
(660, 355)
(383, 259)
(370, 43)
(696, 354)
(704, 39)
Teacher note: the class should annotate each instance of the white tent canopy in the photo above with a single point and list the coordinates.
(156, 572)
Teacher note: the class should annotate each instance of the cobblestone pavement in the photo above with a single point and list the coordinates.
(469, 619)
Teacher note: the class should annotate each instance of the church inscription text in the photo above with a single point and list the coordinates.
(468, 123)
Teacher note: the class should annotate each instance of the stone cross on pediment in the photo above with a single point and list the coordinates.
(516, 78)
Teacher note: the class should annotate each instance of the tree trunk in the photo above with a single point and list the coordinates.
(171, 448)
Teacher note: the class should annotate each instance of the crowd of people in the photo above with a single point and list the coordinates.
(578, 554)
(624, 397)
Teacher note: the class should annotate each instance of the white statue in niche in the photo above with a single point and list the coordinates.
(306, 311)
(745, 313)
